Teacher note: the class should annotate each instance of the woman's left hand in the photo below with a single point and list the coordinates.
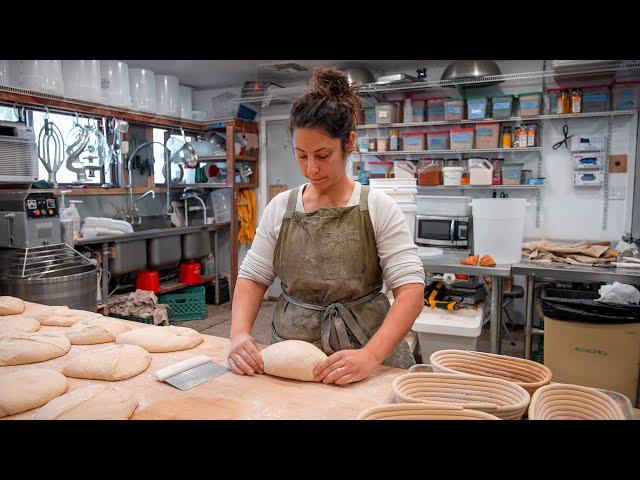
(346, 366)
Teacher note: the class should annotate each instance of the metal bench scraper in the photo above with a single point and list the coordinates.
(191, 372)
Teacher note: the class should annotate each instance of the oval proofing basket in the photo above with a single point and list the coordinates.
(416, 411)
(561, 401)
(528, 374)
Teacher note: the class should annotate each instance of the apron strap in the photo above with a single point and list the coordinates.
(364, 196)
(291, 204)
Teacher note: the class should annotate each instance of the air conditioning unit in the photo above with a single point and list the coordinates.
(18, 153)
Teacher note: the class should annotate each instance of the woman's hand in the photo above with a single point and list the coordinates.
(346, 366)
(244, 357)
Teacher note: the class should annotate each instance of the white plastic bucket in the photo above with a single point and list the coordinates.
(5, 72)
(186, 102)
(82, 79)
(498, 228)
(410, 210)
(114, 81)
(452, 175)
(167, 95)
(142, 87)
(40, 75)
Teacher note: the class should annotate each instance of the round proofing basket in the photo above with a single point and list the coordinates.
(561, 401)
(526, 373)
(498, 397)
(416, 411)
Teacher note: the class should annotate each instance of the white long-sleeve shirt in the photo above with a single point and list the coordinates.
(397, 252)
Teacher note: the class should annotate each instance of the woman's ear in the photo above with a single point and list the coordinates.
(351, 143)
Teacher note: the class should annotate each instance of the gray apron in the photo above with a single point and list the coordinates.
(327, 262)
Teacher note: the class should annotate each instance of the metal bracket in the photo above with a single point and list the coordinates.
(605, 175)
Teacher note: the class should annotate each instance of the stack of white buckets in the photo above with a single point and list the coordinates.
(498, 228)
(403, 191)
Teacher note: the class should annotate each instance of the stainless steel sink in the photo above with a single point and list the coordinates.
(152, 223)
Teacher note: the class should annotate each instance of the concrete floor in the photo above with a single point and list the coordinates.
(218, 323)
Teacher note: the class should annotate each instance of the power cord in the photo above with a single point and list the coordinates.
(565, 141)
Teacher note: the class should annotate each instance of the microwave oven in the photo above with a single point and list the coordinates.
(444, 231)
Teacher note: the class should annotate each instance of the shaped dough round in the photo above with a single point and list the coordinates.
(112, 363)
(26, 389)
(14, 324)
(32, 348)
(292, 359)
(96, 330)
(61, 316)
(97, 402)
(11, 306)
(162, 339)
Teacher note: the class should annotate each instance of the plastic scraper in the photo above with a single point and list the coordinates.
(191, 372)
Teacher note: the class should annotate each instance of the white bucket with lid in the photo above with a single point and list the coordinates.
(452, 175)
(498, 228)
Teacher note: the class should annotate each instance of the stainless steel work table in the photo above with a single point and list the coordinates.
(449, 262)
(564, 272)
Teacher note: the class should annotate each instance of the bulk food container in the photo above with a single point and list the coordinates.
(530, 104)
(435, 109)
(454, 109)
(418, 106)
(512, 173)
(438, 140)
(413, 141)
(386, 113)
(487, 135)
(81, 79)
(461, 138)
(595, 98)
(626, 95)
(502, 106)
(477, 108)
(370, 115)
(168, 95)
(114, 78)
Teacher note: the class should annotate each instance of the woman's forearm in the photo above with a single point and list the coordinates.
(247, 297)
(408, 303)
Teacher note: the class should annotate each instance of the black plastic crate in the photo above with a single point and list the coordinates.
(210, 292)
(581, 306)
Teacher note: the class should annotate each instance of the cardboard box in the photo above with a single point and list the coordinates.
(594, 355)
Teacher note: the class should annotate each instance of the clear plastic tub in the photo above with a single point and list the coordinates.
(114, 79)
(438, 140)
(498, 228)
(168, 95)
(595, 98)
(461, 138)
(530, 104)
(386, 113)
(186, 102)
(81, 79)
(487, 135)
(502, 106)
(477, 108)
(454, 109)
(626, 95)
(413, 141)
(435, 109)
(142, 87)
(370, 115)
(512, 173)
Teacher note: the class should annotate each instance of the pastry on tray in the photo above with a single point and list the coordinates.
(487, 261)
(471, 260)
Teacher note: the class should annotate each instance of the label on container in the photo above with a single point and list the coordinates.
(484, 132)
(461, 137)
(370, 117)
(413, 141)
(502, 106)
(437, 143)
(438, 110)
(530, 105)
(594, 98)
(383, 114)
(456, 109)
(511, 174)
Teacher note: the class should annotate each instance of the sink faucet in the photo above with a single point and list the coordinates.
(186, 196)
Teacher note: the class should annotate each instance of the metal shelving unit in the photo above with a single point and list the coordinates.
(451, 152)
(200, 185)
(480, 187)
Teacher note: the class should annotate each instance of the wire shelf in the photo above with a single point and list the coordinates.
(451, 152)
(480, 187)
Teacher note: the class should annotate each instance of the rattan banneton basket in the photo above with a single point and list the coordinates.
(501, 398)
(417, 411)
(560, 401)
(526, 373)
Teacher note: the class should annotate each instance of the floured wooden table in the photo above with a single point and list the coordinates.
(231, 396)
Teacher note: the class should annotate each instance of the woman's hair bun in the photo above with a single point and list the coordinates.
(334, 85)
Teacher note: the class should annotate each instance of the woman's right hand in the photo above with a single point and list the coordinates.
(244, 357)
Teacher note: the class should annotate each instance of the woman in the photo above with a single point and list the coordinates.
(331, 242)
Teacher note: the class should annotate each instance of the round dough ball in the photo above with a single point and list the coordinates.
(14, 324)
(162, 339)
(11, 306)
(112, 363)
(292, 359)
(96, 330)
(61, 316)
(96, 402)
(32, 348)
(26, 389)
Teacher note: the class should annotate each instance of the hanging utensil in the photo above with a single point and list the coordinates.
(51, 148)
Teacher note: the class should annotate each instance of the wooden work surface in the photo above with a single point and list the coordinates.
(231, 396)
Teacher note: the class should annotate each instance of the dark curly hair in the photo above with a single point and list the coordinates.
(330, 105)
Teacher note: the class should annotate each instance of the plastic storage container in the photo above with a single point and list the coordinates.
(462, 138)
(168, 95)
(413, 141)
(480, 171)
(386, 113)
(454, 109)
(189, 304)
(430, 172)
(512, 173)
(502, 106)
(443, 205)
(370, 115)
(498, 228)
(142, 88)
(438, 140)
(530, 104)
(419, 105)
(401, 190)
(626, 95)
(452, 175)
(114, 80)
(186, 102)
(595, 98)
(82, 79)
(382, 140)
(487, 135)
(38, 75)
(477, 108)
(435, 109)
